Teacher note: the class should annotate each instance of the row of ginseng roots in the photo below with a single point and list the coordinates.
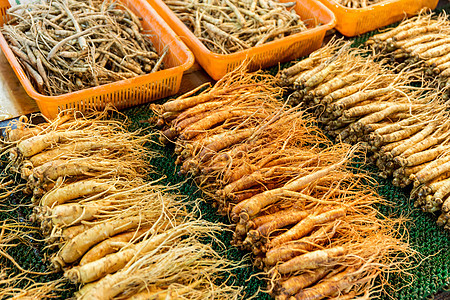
(421, 42)
(114, 234)
(405, 130)
(307, 219)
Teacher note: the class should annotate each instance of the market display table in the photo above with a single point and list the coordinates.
(13, 99)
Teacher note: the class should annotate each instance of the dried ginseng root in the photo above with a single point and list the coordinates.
(228, 26)
(308, 221)
(66, 46)
(358, 3)
(357, 100)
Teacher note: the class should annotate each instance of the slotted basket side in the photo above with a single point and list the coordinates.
(318, 18)
(355, 21)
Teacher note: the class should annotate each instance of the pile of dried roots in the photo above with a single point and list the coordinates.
(307, 220)
(66, 46)
(228, 26)
(358, 3)
(405, 131)
(115, 234)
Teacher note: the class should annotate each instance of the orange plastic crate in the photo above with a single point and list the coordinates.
(123, 93)
(355, 21)
(291, 47)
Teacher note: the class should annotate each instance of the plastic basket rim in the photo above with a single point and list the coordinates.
(105, 88)
(363, 9)
(246, 52)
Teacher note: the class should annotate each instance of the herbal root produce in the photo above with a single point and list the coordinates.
(420, 40)
(66, 46)
(20, 286)
(93, 206)
(306, 219)
(228, 26)
(183, 270)
(404, 130)
(357, 3)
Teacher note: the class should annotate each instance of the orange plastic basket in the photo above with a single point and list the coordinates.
(300, 44)
(355, 21)
(123, 93)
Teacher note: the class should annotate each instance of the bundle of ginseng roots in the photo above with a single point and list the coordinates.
(119, 236)
(421, 41)
(405, 130)
(228, 26)
(306, 219)
(66, 46)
